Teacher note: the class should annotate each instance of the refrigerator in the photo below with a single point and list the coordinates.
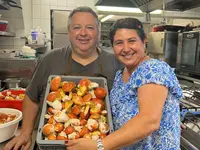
(59, 31)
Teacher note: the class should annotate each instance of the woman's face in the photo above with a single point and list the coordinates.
(128, 47)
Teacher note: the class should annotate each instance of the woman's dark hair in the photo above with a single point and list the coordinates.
(127, 23)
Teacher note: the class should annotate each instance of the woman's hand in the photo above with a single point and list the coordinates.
(81, 144)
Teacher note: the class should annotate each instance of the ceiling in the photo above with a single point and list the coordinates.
(151, 5)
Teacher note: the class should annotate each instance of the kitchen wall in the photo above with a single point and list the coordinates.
(41, 11)
(15, 19)
(36, 13)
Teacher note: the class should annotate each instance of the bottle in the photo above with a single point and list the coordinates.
(41, 38)
(34, 35)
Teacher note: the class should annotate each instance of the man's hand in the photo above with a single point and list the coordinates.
(17, 142)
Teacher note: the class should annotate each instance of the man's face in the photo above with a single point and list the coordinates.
(83, 33)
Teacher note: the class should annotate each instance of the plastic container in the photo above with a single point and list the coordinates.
(34, 35)
(16, 104)
(3, 25)
(9, 129)
(59, 144)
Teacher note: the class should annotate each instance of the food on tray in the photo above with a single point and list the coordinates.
(12, 95)
(55, 83)
(75, 110)
(4, 118)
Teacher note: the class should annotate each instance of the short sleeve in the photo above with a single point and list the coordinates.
(158, 72)
(35, 87)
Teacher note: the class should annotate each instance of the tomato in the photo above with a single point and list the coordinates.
(84, 82)
(76, 109)
(84, 131)
(59, 137)
(48, 129)
(100, 102)
(53, 96)
(100, 92)
(87, 97)
(69, 130)
(59, 127)
(52, 137)
(82, 116)
(55, 83)
(83, 122)
(68, 86)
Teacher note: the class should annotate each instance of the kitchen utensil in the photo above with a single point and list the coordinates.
(9, 129)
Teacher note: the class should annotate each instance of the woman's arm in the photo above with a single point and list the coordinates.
(151, 99)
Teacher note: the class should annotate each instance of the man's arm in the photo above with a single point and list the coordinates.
(30, 110)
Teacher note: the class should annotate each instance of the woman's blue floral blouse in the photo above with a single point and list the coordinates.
(124, 104)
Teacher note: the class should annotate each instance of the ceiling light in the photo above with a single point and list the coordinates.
(118, 9)
(106, 18)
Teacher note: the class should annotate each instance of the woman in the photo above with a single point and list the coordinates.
(144, 98)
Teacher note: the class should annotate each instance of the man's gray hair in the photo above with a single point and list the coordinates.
(83, 9)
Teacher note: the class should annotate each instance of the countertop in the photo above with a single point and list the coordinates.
(17, 133)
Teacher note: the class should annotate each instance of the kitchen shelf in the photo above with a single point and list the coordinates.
(10, 34)
(36, 46)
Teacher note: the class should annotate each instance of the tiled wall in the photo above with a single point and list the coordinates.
(15, 19)
(41, 11)
(37, 13)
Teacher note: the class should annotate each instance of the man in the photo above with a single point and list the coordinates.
(82, 57)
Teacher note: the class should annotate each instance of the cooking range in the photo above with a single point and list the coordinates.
(190, 115)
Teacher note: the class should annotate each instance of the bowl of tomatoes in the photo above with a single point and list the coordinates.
(12, 98)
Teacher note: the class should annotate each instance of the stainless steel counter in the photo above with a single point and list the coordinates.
(17, 68)
(17, 133)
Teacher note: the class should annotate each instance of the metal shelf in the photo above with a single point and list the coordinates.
(188, 78)
(35, 46)
(10, 34)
